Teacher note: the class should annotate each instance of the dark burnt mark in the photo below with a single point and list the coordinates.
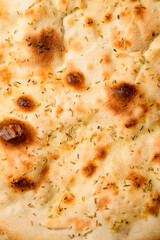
(16, 133)
(12, 133)
(131, 123)
(120, 96)
(23, 184)
(43, 46)
(75, 80)
(124, 92)
(89, 170)
(108, 17)
(136, 179)
(26, 103)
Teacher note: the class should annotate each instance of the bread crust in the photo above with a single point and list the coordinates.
(79, 122)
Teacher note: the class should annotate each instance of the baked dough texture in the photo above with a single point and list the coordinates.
(79, 119)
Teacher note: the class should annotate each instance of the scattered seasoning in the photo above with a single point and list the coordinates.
(148, 186)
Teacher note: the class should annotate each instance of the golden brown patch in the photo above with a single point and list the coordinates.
(53, 156)
(75, 80)
(43, 173)
(63, 2)
(153, 206)
(16, 133)
(107, 75)
(139, 11)
(89, 169)
(89, 22)
(70, 21)
(156, 158)
(106, 59)
(5, 75)
(43, 46)
(121, 44)
(131, 123)
(122, 14)
(4, 14)
(101, 153)
(102, 203)
(107, 17)
(80, 108)
(155, 150)
(59, 110)
(68, 198)
(136, 179)
(107, 185)
(90, 67)
(26, 103)
(111, 186)
(23, 184)
(79, 224)
(121, 55)
(77, 46)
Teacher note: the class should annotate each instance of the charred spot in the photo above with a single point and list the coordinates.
(153, 206)
(101, 153)
(12, 133)
(120, 96)
(68, 198)
(89, 21)
(44, 45)
(15, 132)
(26, 103)
(89, 170)
(23, 184)
(124, 92)
(107, 17)
(131, 123)
(136, 179)
(75, 80)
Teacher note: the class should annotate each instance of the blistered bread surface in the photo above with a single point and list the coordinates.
(80, 119)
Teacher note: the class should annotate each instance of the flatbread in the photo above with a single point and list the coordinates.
(80, 119)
